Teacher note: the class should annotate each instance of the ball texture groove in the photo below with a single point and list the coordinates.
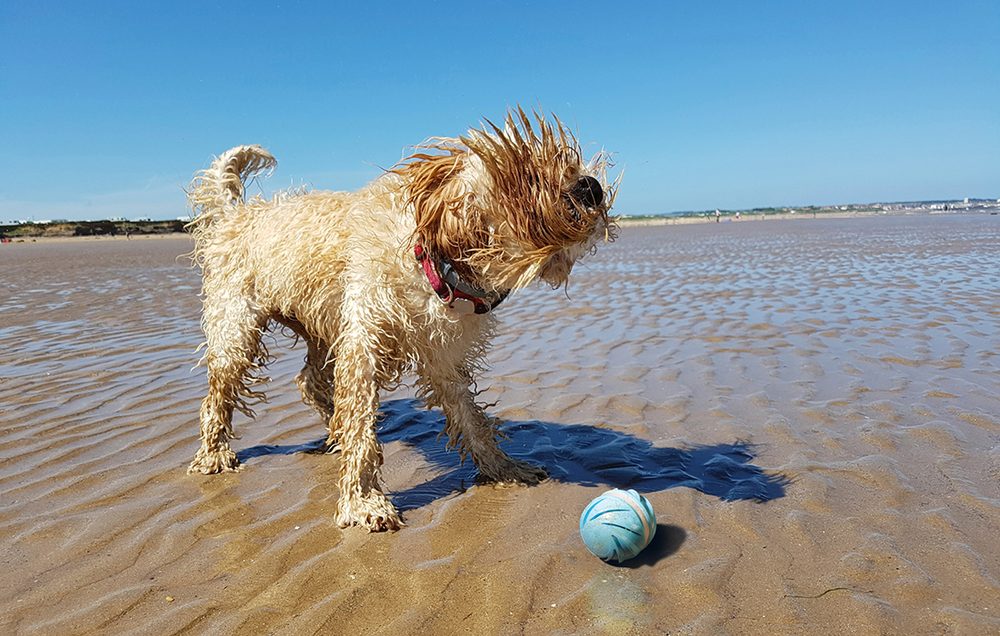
(617, 525)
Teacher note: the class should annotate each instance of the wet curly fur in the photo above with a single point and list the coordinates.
(504, 205)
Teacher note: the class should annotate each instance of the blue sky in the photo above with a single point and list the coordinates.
(107, 108)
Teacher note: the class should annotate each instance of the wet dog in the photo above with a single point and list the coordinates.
(400, 276)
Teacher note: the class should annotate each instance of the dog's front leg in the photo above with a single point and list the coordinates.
(362, 501)
(474, 432)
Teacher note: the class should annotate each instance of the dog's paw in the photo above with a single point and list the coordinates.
(514, 472)
(211, 462)
(373, 512)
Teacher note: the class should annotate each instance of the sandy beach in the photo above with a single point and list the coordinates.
(812, 408)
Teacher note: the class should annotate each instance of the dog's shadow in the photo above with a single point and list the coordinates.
(571, 453)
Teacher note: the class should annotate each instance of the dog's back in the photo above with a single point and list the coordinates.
(289, 253)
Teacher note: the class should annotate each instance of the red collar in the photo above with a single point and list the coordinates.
(452, 290)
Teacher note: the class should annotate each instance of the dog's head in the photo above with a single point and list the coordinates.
(509, 205)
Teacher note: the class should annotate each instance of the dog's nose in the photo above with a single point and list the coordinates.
(587, 192)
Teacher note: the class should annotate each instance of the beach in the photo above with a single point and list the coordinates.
(811, 407)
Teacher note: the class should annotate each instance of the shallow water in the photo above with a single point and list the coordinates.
(811, 407)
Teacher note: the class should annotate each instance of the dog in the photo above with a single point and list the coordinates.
(402, 276)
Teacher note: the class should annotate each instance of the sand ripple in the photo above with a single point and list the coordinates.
(811, 407)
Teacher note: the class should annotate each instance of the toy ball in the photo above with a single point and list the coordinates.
(617, 525)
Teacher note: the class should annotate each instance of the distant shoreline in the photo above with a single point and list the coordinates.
(99, 238)
(90, 229)
(626, 221)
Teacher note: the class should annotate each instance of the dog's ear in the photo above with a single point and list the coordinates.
(440, 201)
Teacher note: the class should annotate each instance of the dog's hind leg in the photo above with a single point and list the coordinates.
(316, 382)
(362, 501)
(233, 331)
(473, 431)
(316, 379)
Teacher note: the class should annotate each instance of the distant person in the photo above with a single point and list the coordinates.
(718, 216)
(737, 216)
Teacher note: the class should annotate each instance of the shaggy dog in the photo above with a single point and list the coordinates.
(399, 277)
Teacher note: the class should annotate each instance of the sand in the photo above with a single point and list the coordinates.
(813, 409)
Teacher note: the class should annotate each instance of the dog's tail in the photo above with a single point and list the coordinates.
(217, 191)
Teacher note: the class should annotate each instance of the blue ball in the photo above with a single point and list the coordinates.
(617, 525)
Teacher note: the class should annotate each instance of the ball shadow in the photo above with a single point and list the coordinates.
(667, 540)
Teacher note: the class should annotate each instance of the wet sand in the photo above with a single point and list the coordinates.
(813, 409)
